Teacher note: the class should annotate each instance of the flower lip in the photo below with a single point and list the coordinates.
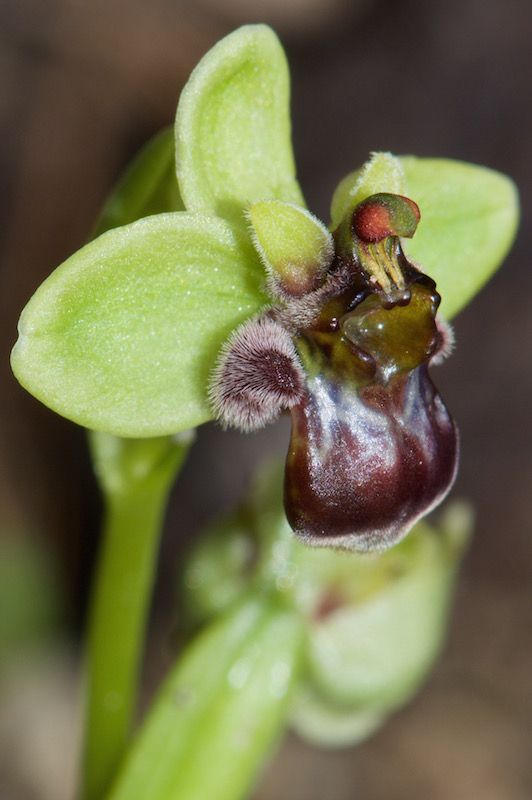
(365, 463)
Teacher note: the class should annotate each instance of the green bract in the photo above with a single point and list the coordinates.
(123, 336)
(222, 706)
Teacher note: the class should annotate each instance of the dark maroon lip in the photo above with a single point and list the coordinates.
(364, 465)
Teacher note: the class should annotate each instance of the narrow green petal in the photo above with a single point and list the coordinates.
(295, 247)
(122, 336)
(469, 218)
(383, 172)
(148, 186)
(233, 137)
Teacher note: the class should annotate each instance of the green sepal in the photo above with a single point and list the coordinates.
(295, 247)
(122, 336)
(233, 131)
(219, 711)
(148, 186)
(469, 218)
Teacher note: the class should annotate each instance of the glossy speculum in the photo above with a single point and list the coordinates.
(373, 447)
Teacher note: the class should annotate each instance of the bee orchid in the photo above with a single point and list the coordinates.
(345, 347)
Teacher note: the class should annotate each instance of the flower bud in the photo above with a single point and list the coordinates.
(376, 626)
(218, 570)
(374, 623)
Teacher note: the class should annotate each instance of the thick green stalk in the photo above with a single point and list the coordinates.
(135, 476)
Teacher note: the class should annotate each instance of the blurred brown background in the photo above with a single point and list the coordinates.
(82, 86)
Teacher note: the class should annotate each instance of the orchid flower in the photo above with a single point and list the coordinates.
(209, 291)
(241, 305)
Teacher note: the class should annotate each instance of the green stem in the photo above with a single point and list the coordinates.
(136, 477)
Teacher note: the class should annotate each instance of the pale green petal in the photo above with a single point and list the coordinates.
(469, 218)
(295, 247)
(233, 137)
(122, 336)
